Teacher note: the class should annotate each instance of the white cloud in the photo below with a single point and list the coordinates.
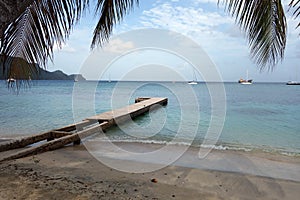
(207, 1)
(183, 19)
(208, 28)
(64, 48)
(77, 42)
(201, 20)
(118, 46)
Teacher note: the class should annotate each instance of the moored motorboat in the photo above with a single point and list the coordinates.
(293, 83)
(192, 83)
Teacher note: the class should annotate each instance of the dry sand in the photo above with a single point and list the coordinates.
(72, 173)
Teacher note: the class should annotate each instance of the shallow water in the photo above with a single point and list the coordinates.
(260, 116)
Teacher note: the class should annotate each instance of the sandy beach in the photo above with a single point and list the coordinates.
(73, 173)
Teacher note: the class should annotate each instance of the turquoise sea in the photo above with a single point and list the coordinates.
(262, 116)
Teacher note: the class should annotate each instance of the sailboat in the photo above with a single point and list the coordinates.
(245, 81)
(109, 79)
(194, 81)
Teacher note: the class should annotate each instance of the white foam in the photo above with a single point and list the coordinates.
(159, 142)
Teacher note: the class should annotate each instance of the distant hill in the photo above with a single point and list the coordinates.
(46, 75)
(57, 75)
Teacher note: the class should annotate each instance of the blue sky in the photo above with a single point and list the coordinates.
(203, 21)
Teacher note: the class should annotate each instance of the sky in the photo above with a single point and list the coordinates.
(217, 37)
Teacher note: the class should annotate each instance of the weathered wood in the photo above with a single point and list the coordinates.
(57, 134)
(137, 100)
(129, 111)
(75, 126)
(23, 142)
(57, 143)
(66, 135)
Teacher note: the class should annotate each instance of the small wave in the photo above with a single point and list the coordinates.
(292, 154)
(160, 142)
(198, 144)
(142, 141)
(282, 152)
(223, 148)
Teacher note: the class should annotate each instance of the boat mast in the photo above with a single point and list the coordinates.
(194, 75)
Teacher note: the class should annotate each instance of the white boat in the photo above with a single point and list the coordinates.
(11, 80)
(293, 83)
(246, 81)
(194, 81)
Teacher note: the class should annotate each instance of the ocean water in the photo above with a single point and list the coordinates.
(262, 116)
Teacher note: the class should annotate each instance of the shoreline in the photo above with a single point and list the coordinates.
(257, 163)
(73, 173)
(219, 146)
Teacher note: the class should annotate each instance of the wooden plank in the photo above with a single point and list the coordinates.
(132, 110)
(57, 143)
(58, 134)
(141, 99)
(25, 141)
(73, 127)
(63, 136)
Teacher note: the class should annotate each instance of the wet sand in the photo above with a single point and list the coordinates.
(73, 173)
(256, 162)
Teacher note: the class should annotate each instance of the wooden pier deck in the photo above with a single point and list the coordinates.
(73, 133)
(141, 106)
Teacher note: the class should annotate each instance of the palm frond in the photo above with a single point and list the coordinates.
(295, 6)
(34, 33)
(265, 25)
(110, 12)
(11, 10)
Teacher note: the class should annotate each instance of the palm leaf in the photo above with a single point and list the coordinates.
(11, 10)
(265, 25)
(295, 5)
(34, 33)
(110, 12)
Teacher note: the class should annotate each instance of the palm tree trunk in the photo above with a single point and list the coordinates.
(10, 10)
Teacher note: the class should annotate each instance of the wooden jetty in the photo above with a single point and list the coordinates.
(73, 133)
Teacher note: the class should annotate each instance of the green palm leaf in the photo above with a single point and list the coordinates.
(34, 33)
(295, 6)
(265, 25)
(45, 23)
(110, 12)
